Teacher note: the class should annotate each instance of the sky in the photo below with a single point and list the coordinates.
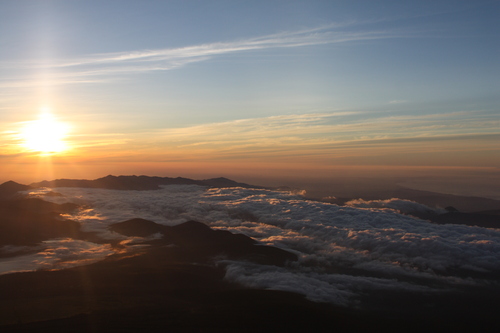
(249, 88)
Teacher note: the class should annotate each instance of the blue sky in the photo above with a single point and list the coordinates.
(319, 82)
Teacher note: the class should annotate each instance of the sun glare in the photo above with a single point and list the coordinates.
(45, 135)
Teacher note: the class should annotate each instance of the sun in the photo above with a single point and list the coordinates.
(45, 135)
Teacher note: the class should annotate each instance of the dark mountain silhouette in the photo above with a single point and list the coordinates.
(472, 219)
(431, 199)
(155, 290)
(138, 182)
(178, 289)
(224, 182)
(10, 188)
(137, 227)
(462, 203)
(200, 242)
(31, 221)
(118, 182)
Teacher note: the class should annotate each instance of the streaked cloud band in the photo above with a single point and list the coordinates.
(101, 67)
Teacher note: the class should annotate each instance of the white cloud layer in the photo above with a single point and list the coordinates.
(343, 251)
(56, 254)
(399, 205)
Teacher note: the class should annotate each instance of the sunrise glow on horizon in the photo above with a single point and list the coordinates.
(294, 88)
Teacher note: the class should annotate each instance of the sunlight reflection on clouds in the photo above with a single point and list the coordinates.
(335, 244)
(57, 254)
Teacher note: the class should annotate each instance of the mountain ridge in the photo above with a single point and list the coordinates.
(467, 204)
(140, 183)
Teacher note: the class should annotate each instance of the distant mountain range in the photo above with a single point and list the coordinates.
(431, 199)
(139, 182)
(464, 210)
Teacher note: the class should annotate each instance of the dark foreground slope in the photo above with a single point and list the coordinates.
(29, 221)
(170, 285)
(173, 284)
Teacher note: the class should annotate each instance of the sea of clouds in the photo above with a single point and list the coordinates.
(343, 252)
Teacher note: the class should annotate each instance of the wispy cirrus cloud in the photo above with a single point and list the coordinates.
(316, 36)
(101, 67)
(338, 126)
(321, 136)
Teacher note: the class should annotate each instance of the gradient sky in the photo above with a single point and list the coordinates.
(177, 88)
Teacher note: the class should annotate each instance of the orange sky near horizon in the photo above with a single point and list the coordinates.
(281, 90)
(255, 149)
